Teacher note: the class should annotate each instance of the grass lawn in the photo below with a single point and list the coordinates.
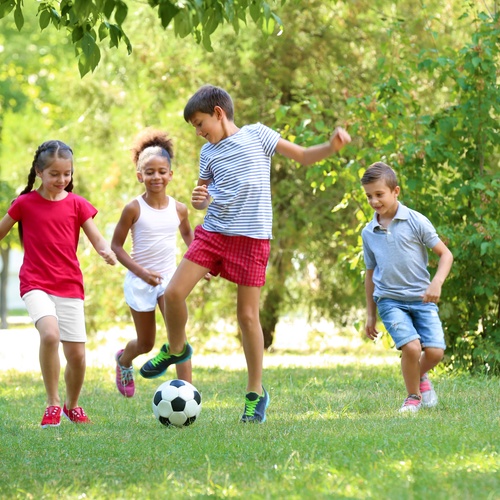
(332, 432)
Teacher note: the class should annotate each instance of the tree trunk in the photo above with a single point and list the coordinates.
(269, 314)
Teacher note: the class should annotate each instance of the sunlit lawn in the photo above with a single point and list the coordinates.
(332, 432)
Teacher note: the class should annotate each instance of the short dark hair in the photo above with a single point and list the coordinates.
(205, 99)
(380, 171)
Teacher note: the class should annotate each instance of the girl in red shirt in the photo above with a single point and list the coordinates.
(51, 282)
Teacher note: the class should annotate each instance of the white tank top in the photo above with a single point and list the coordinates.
(154, 237)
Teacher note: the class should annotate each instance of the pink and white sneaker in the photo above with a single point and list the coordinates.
(124, 377)
(411, 404)
(429, 396)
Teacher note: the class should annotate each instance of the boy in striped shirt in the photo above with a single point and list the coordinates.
(234, 239)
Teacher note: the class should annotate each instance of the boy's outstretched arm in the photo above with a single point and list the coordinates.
(313, 154)
(433, 292)
(371, 308)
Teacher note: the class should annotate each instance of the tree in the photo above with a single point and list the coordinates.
(89, 22)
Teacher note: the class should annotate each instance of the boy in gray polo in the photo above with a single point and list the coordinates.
(398, 283)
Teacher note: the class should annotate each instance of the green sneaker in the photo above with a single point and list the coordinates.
(157, 366)
(255, 407)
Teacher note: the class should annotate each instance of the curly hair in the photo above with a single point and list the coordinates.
(151, 142)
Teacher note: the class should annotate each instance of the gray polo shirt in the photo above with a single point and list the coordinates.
(398, 254)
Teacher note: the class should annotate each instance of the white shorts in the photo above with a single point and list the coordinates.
(141, 296)
(69, 313)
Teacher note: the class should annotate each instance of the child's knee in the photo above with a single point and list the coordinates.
(413, 349)
(173, 295)
(434, 354)
(145, 346)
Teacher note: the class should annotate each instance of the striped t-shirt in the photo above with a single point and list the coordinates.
(239, 168)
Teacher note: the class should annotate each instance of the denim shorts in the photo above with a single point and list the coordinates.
(407, 321)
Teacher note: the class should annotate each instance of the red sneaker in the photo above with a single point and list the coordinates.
(76, 415)
(51, 417)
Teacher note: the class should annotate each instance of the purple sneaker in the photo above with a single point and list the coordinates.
(124, 377)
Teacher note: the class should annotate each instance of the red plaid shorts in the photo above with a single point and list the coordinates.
(239, 259)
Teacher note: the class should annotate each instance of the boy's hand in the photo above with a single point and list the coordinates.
(200, 197)
(339, 139)
(433, 293)
(371, 329)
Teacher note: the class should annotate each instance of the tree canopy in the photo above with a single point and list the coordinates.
(89, 22)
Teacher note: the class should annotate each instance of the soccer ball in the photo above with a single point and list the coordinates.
(176, 402)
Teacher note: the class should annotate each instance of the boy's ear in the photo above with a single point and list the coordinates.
(219, 112)
(397, 189)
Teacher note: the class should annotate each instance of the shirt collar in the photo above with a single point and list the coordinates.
(403, 213)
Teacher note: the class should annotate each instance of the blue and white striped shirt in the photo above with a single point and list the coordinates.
(240, 170)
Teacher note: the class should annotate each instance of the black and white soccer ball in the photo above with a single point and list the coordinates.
(176, 402)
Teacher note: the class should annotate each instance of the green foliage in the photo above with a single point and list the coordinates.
(413, 83)
(447, 156)
(89, 22)
(332, 432)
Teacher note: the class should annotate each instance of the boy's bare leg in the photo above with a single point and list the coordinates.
(50, 364)
(176, 315)
(74, 373)
(184, 370)
(252, 336)
(431, 357)
(410, 366)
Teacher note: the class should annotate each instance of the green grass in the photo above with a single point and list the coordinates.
(332, 432)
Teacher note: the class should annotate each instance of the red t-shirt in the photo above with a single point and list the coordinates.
(51, 230)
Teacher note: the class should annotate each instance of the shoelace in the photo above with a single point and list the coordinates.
(412, 400)
(250, 407)
(162, 356)
(126, 375)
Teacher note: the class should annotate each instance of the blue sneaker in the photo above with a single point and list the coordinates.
(255, 407)
(157, 366)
